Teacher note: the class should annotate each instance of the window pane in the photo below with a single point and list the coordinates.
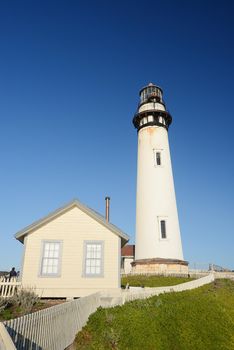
(98, 262)
(98, 255)
(55, 262)
(49, 269)
(51, 254)
(51, 246)
(46, 254)
(47, 246)
(56, 246)
(56, 254)
(98, 270)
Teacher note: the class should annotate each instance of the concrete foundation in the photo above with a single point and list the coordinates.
(159, 266)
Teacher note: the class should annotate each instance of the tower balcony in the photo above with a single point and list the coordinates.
(151, 118)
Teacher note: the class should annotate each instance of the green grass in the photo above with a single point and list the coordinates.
(152, 281)
(200, 319)
(6, 315)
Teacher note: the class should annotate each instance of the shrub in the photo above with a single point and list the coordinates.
(3, 304)
(25, 299)
(112, 337)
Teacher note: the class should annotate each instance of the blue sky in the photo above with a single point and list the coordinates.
(70, 73)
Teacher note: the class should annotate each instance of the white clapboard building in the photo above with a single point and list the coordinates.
(72, 252)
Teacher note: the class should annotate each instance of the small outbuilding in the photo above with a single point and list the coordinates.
(72, 252)
(127, 257)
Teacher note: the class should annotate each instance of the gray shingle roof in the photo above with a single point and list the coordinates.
(74, 203)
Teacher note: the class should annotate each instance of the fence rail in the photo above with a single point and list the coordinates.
(8, 286)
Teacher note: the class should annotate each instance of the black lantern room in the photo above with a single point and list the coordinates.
(151, 109)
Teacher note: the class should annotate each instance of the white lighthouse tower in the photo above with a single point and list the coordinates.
(158, 242)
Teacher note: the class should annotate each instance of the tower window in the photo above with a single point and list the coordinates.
(163, 229)
(157, 158)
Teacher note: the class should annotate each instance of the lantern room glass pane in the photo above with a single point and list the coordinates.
(149, 91)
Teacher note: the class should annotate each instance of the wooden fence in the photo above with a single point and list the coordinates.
(143, 293)
(8, 286)
(55, 328)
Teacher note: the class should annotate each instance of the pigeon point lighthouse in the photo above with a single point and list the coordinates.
(158, 241)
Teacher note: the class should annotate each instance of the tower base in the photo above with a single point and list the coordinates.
(159, 266)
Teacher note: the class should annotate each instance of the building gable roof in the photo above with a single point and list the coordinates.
(74, 203)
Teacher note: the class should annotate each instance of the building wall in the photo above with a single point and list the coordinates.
(127, 267)
(72, 228)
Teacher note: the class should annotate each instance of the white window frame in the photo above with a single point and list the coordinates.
(155, 158)
(163, 218)
(85, 258)
(43, 244)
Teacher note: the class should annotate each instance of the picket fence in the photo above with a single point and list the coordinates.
(55, 328)
(8, 286)
(143, 293)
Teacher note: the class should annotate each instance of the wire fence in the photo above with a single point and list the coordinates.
(204, 267)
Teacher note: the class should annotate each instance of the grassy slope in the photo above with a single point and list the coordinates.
(200, 319)
(152, 281)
